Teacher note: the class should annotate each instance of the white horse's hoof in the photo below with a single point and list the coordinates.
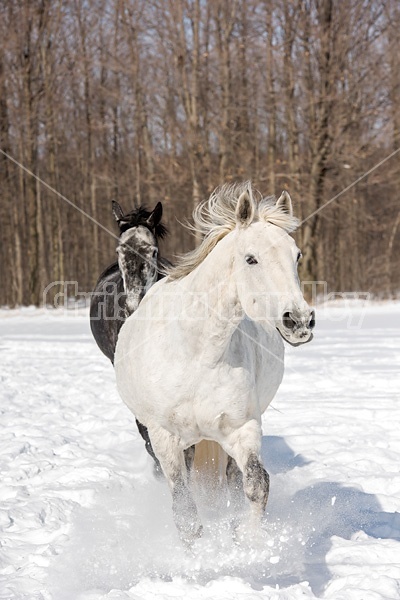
(189, 537)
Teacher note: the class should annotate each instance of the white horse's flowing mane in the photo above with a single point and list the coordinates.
(215, 218)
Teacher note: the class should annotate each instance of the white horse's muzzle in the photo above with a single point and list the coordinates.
(296, 326)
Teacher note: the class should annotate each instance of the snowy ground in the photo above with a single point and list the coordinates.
(82, 518)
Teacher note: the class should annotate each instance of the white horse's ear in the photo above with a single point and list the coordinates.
(284, 202)
(117, 211)
(244, 210)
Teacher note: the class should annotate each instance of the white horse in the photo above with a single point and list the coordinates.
(202, 356)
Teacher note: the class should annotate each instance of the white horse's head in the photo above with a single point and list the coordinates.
(265, 267)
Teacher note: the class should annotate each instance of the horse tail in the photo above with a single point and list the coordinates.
(210, 461)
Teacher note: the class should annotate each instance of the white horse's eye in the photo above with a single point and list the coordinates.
(299, 256)
(251, 260)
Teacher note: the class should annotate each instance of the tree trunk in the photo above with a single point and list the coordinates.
(271, 104)
(320, 142)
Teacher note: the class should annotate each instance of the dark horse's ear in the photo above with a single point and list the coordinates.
(117, 211)
(155, 217)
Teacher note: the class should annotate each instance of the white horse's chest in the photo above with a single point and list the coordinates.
(207, 400)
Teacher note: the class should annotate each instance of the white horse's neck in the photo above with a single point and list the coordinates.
(210, 298)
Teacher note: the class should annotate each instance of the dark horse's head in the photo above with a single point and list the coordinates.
(137, 250)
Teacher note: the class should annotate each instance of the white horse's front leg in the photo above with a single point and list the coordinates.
(234, 479)
(244, 445)
(175, 466)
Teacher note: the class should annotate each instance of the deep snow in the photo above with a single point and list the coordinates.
(82, 517)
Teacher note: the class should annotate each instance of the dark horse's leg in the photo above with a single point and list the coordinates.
(189, 459)
(145, 435)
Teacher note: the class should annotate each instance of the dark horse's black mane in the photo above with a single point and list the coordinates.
(139, 216)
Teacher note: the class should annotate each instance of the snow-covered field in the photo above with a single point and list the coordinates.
(82, 517)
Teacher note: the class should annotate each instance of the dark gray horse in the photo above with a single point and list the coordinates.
(123, 284)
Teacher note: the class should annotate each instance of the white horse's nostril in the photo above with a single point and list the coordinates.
(297, 320)
(288, 320)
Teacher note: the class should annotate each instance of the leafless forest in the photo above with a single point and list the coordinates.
(147, 100)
